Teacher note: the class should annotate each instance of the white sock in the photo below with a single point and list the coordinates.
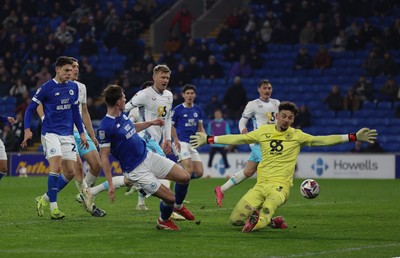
(141, 199)
(46, 197)
(90, 179)
(53, 205)
(234, 180)
(118, 181)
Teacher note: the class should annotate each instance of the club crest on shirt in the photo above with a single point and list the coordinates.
(71, 92)
(38, 90)
(288, 136)
(195, 115)
(153, 98)
(102, 134)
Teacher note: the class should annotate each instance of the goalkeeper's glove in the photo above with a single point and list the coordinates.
(364, 135)
(200, 139)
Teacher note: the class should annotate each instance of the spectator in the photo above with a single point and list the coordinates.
(372, 64)
(266, 32)
(303, 60)
(218, 126)
(193, 68)
(88, 46)
(389, 66)
(212, 69)
(172, 44)
(42, 77)
(189, 49)
(112, 38)
(363, 89)
(339, 42)
(225, 35)
(184, 21)
(91, 80)
(389, 91)
(18, 130)
(334, 100)
(241, 68)
(303, 118)
(321, 34)
(374, 147)
(254, 58)
(65, 34)
(203, 53)
(180, 78)
(322, 59)
(232, 52)
(8, 138)
(307, 34)
(149, 5)
(356, 42)
(358, 147)
(18, 89)
(351, 101)
(235, 99)
(212, 106)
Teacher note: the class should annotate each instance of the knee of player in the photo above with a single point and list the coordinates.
(95, 168)
(3, 168)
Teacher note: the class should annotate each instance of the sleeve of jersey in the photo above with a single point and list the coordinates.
(28, 114)
(237, 139)
(326, 140)
(167, 126)
(77, 118)
(139, 99)
(103, 136)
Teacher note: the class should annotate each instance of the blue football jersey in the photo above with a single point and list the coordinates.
(185, 121)
(57, 100)
(125, 144)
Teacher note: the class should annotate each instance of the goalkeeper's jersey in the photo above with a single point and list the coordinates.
(279, 150)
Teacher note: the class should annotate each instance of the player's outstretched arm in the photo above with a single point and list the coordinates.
(201, 138)
(364, 135)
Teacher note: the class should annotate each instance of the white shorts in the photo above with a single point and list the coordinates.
(146, 176)
(59, 145)
(187, 152)
(3, 154)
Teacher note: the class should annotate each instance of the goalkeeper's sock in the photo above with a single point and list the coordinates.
(61, 182)
(180, 193)
(2, 174)
(90, 179)
(236, 179)
(166, 210)
(52, 186)
(118, 181)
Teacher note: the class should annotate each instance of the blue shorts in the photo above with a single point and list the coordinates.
(153, 146)
(82, 151)
(255, 154)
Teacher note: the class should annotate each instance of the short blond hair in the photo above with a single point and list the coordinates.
(161, 68)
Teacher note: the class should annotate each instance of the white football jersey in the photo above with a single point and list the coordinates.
(153, 105)
(134, 115)
(81, 98)
(260, 112)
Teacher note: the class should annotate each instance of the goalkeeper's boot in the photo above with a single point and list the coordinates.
(167, 225)
(177, 217)
(278, 222)
(184, 212)
(219, 195)
(56, 214)
(41, 203)
(251, 222)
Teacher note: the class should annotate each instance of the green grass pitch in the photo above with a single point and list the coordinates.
(350, 218)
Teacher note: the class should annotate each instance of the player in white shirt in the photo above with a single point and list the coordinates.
(261, 111)
(156, 102)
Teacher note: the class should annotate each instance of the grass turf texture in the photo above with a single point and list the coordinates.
(350, 218)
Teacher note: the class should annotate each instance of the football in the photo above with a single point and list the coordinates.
(309, 188)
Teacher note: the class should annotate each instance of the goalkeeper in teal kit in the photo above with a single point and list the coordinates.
(280, 147)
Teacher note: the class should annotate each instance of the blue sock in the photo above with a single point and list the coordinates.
(52, 188)
(2, 174)
(180, 193)
(166, 210)
(62, 182)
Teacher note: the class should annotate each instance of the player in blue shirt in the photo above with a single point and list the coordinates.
(3, 154)
(187, 119)
(59, 98)
(118, 136)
